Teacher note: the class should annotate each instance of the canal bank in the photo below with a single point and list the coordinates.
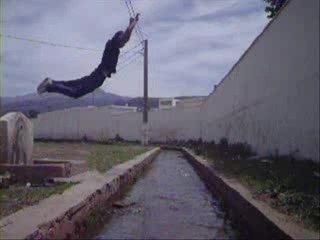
(168, 195)
(169, 202)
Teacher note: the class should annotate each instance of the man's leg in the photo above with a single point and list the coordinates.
(72, 88)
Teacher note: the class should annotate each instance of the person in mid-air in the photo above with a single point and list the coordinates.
(80, 87)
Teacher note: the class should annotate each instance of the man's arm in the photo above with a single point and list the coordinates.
(124, 38)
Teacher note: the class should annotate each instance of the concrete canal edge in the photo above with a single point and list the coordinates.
(256, 217)
(64, 216)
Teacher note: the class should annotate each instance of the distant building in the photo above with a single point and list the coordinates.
(191, 102)
(116, 108)
(167, 103)
(151, 109)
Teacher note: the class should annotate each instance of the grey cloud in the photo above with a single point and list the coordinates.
(192, 43)
(225, 14)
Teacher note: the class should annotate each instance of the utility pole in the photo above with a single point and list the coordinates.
(92, 102)
(145, 126)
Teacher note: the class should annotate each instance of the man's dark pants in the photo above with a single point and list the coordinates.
(79, 87)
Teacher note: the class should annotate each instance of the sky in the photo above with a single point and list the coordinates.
(192, 43)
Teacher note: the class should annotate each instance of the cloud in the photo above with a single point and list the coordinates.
(192, 44)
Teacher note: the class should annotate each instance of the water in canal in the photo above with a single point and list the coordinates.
(170, 201)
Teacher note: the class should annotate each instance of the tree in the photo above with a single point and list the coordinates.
(273, 6)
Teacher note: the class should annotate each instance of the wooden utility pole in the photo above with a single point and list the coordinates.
(145, 127)
(145, 83)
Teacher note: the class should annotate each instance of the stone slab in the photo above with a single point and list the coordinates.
(16, 139)
(75, 166)
(36, 173)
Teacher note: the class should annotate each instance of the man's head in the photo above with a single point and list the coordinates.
(117, 41)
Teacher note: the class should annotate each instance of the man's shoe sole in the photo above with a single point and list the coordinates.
(42, 88)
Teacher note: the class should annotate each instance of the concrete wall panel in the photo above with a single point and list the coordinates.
(270, 99)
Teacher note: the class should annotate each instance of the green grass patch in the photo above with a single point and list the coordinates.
(287, 184)
(99, 156)
(17, 197)
(104, 157)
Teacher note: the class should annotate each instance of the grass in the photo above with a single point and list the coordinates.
(103, 157)
(17, 197)
(99, 156)
(289, 185)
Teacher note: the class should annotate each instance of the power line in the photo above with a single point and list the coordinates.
(49, 43)
(138, 25)
(131, 14)
(134, 14)
(130, 57)
(61, 45)
(72, 47)
(129, 50)
(128, 63)
(65, 46)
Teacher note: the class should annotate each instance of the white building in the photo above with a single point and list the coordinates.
(115, 108)
(191, 102)
(167, 103)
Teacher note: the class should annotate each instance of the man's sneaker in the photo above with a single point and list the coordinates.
(42, 88)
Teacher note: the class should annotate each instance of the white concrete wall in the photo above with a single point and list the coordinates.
(270, 99)
(175, 124)
(102, 124)
(98, 124)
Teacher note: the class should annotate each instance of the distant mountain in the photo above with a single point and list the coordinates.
(52, 102)
(33, 103)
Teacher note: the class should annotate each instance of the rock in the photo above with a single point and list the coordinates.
(265, 160)
(16, 139)
(137, 211)
(4, 181)
(255, 158)
(120, 204)
(282, 197)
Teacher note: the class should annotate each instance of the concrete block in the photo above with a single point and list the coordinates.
(16, 139)
(35, 173)
(73, 167)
